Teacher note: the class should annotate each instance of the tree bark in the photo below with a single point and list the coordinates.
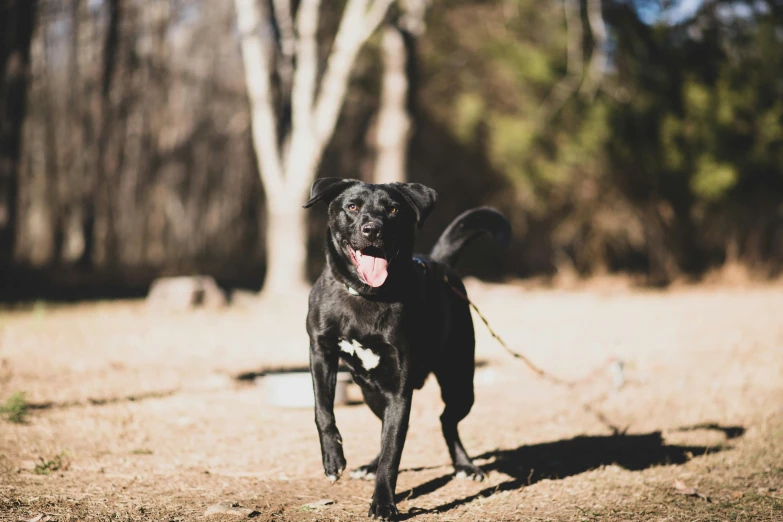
(398, 91)
(393, 126)
(16, 31)
(598, 58)
(287, 166)
(569, 83)
(257, 70)
(286, 245)
(105, 210)
(53, 198)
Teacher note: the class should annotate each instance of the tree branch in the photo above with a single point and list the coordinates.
(375, 16)
(285, 25)
(413, 16)
(257, 73)
(598, 59)
(356, 27)
(306, 64)
(303, 92)
(570, 82)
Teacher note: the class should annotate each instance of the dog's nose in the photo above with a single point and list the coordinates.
(371, 230)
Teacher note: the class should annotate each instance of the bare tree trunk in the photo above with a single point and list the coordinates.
(393, 126)
(16, 30)
(89, 126)
(73, 164)
(663, 267)
(286, 233)
(105, 186)
(53, 197)
(287, 166)
(286, 240)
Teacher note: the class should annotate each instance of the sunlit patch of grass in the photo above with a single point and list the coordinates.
(14, 409)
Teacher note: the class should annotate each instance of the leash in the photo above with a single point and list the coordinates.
(613, 363)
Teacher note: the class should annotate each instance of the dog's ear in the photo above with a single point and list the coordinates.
(326, 189)
(421, 198)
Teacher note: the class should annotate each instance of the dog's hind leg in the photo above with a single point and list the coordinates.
(377, 404)
(455, 377)
(458, 398)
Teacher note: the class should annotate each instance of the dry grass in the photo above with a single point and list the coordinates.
(14, 409)
(150, 424)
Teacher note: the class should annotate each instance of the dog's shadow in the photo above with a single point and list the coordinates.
(564, 458)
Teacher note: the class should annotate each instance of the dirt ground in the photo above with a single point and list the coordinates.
(139, 416)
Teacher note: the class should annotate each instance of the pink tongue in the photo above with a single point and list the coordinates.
(372, 269)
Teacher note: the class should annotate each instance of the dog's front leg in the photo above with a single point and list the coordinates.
(323, 367)
(395, 428)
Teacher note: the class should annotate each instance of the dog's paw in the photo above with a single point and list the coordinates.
(469, 472)
(364, 473)
(383, 510)
(334, 465)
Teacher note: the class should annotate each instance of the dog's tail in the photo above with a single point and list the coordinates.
(466, 227)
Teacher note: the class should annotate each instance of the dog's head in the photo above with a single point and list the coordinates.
(371, 227)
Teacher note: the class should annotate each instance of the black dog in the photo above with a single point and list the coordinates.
(392, 318)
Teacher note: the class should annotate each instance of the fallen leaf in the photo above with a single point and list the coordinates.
(36, 518)
(736, 494)
(318, 504)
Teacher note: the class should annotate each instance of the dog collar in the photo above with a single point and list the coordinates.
(351, 290)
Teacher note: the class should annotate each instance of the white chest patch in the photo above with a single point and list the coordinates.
(368, 358)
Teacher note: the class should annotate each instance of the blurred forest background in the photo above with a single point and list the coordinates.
(635, 136)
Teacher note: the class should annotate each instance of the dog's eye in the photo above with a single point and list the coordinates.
(394, 210)
(352, 207)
